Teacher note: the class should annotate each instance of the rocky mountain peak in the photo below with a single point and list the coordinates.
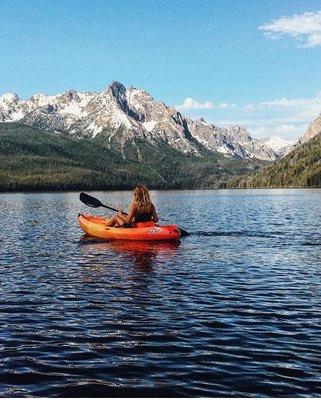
(200, 120)
(313, 130)
(72, 95)
(39, 99)
(239, 133)
(117, 88)
(9, 99)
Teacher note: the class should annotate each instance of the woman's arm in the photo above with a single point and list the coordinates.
(155, 217)
(129, 218)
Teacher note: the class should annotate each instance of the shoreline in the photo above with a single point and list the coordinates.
(152, 189)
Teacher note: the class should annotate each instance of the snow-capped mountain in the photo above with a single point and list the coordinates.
(230, 141)
(123, 115)
(313, 130)
(280, 146)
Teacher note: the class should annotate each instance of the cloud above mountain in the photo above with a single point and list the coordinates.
(191, 104)
(284, 117)
(304, 28)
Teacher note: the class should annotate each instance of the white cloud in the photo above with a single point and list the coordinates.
(304, 27)
(226, 105)
(284, 117)
(287, 118)
(249, 107)
(270, 127)
(285, 131)
(275, 123)
(290, 103)
(296, 109)
(191, 104)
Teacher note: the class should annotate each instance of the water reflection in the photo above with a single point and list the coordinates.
(140, 254)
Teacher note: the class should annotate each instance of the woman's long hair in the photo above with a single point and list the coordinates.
(142, 199)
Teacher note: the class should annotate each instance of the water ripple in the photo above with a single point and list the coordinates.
(232, 310)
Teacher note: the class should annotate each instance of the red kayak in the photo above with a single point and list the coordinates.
(95, 226)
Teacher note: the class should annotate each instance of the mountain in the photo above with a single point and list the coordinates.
(119, 117)
(34, 159)
(301, 167)
(233, 141)
(280, 146)
(313, 130)
(114, 139)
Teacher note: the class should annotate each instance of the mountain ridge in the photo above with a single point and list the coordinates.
(124, 114)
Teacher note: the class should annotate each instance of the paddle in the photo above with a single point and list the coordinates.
(95, 203)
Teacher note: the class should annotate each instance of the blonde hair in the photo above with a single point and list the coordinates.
(142, 199)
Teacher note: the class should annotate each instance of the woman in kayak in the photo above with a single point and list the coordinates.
(141, 210)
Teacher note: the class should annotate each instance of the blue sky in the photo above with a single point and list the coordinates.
(234, 61)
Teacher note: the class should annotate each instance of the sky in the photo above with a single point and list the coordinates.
(254, 63)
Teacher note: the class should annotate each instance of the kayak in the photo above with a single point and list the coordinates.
(95, 226)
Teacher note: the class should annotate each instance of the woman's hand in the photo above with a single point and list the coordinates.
(120, 212)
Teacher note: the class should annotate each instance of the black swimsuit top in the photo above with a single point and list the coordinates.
(143, 217)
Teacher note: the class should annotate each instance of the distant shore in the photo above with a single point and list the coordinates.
(40, 190)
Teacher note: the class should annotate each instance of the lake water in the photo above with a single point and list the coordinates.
(232, 310)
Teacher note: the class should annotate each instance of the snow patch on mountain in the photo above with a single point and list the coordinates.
(149, 126)
(280, 146)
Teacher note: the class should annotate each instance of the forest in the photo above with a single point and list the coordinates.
(300, 168)
(31, 159)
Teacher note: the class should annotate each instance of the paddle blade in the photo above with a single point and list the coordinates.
(183, 232)
(89, 200)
